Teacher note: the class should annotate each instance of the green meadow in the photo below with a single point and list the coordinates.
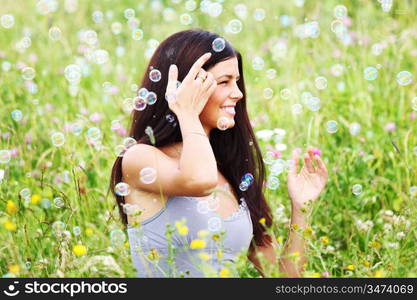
(336, 75)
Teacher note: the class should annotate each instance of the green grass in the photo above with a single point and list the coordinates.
(368, 158)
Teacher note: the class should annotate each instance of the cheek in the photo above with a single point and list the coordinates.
(212, 108)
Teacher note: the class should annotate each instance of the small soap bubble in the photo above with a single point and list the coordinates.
(129, 13)
(72, 73)
(370, 73)
(235, 26)
(25, 193)
(202, 207)
(151, 98)
(340, 12)
(137, 34)
(277, 167)
(269, 157)
(186, 19)
(354, 128)
(404, 78)
(128, 142)
(258, 63)
(214, 224)
(59, 202)
(297, 109)
(139, 103)
(147, 175)
(76, 230)
(143, 92)
(119, 150)
(58, 227)
(268, 93)
(94, 133)
(117, 237)
(218, 44)
(320, 82)
(17, 115)
(357, 189)
(285, 93)
(28, 73)
(271, 73)
(259, 14)
(122, 189)
(7, 21)
(272, 183)
(57, 139)
(5, 156)
(331, 126)
(55, 33)
(223, 123)
(155, 75)
(243, 186)
(45, 203)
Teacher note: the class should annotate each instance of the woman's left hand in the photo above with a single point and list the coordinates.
(310, 182)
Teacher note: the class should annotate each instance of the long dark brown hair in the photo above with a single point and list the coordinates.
(236, 149)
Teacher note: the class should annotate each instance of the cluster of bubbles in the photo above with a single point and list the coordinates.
(307, 30)
(312, 103)
(144, 96)
(246, 181)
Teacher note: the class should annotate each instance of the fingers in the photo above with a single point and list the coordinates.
(201, 76)
(172, 80)
(321, 164)
(197, 66)
(308, 163)
(209, 80)
(294, 157)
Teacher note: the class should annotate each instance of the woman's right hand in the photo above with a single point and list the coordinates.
(192, 94)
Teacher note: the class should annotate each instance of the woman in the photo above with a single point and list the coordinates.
(198, 168)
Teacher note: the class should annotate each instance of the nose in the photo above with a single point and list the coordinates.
(236, 93)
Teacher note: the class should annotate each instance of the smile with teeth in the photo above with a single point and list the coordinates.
(229, 109)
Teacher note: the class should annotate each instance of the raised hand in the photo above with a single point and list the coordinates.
(194, 91)
(309, 183)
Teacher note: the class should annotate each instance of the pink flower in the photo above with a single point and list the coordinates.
(390, 127)
(412, 115)
(347, 21)
(14, 152)
(33, 58)
(361, 153)
(28, 138)
(121, 131)
(6, 135)
(325, 274)
(95, 117)
(362, 139)
(276, 153)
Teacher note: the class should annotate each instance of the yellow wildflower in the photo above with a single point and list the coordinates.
(262, 221)
(202, 233)
(350, 267)
(375, 245)
(35, 198)
(153, 254)
(366, 263)
(11, 207)
(182, 229)
(88, 231)
(127, 244)
(308, 231)
(280, 239)
(215, 237)
(294, 226)
(224, 273)
(379, 274)
(324, 240)
(10, 225)
(79, 250)
(219, 254)
(15, 269)
(204, 256)
(197, 244)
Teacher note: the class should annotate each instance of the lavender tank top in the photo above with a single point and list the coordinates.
(224, 240)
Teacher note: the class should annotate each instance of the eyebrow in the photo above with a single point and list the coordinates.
(229, 76)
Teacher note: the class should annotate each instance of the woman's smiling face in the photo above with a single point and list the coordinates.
(220, 106)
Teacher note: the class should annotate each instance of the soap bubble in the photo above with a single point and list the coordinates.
(235, 26)
(147, 175)
(186, 19)
(55, 33)
(28, 73)
(272, 183)
(357, 189)
(151, 98)
(137, 34)
(59, 202)
(218, 44)
(370, 73)
(57, 139)
(404, 78)
(5, 156)
(7, 21)
(155, 75)
(139, 103)
(331, 126)
(122, 189)
(340, 12)
(58, 227)
(223, 123)
(117, 237)
(320, 82)
(94, 133)
(258, 63)
(214, 224)
(17, 115)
